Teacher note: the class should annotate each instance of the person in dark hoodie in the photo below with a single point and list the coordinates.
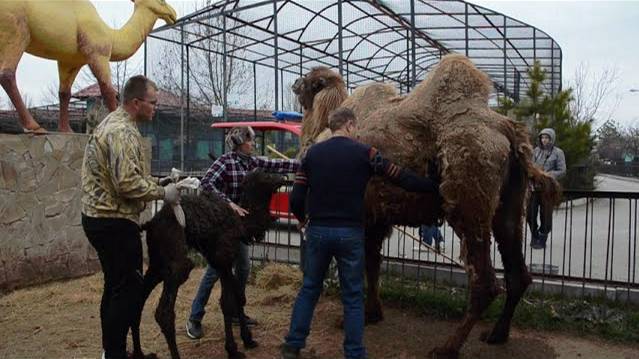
(329, 192)
(551, 159)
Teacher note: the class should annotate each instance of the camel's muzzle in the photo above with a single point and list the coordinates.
(298, 86)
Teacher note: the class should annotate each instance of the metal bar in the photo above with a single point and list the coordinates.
(592, 216)
(634, 251)
(563, 258)
(629, 246)
(612, 240)
(570, 241)
(340, 40)
(400, 20)
(145, 58)
(188, 104)
(224, 74)
(552, 71)
(610, 221)
(276, 54)
(182, 102)
(466, 27)
(583, 283)
(254, 91)
(413, 49)
(561, 55)
(535, 45)
(307, 46)
(192, 17)
(505, 64)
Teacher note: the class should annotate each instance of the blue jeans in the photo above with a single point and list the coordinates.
(346, 244)
(428, 233)
(242, 269)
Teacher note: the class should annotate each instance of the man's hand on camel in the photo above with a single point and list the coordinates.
(239, 210)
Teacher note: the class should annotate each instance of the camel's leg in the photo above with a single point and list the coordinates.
(230, 303)
(240, 302)
(483, 291)
(12, 46)
(374, 238)
(165, 312)
(67, 74)
(508, 232)
(151, 279)
(102, 72)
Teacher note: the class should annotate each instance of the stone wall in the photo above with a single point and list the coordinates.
(42, 238)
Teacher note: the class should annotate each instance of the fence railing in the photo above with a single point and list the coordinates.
(591, 250)
(627, 170)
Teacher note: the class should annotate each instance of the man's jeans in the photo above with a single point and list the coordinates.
(242, 269)
(346, 244)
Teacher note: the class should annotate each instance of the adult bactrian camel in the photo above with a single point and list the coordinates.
(72, 33)
(484, 161)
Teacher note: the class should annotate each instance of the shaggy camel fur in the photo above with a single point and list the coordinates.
(214, 230)
(484, 161)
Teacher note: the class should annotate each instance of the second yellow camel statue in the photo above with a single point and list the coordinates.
(71, 32)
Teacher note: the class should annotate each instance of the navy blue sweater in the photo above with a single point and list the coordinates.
(332, 180)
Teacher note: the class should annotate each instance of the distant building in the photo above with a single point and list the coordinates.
(164, 131)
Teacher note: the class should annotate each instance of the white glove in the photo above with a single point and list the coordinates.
(171, 194)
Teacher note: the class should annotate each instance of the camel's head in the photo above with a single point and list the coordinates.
(305, 88)
(258, 187)
(160, 8)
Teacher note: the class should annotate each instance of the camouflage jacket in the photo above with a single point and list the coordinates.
(115, 178)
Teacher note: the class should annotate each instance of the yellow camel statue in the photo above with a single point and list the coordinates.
(72, 33)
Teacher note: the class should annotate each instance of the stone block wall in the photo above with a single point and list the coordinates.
(41, 237)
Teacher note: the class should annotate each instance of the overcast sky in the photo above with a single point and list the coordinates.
(603, 34)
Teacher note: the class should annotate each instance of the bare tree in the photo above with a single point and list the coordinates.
(50, 94)
(206, 65)
(590, 91)
(290, 100)
(120, 72)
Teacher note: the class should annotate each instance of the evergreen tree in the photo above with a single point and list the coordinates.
(540, 110)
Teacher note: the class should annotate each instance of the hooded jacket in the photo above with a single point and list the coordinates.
(551, 159)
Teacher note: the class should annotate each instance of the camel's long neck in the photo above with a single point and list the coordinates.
(258, 219)
(128, 39)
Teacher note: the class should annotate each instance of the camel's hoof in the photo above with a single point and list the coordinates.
(493, 338)
(36, 130)
(444, 353)
(237, 355)
(142, 356)
(251, 344)
(373, 318)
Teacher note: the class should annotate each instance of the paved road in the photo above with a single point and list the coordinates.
(575, 235)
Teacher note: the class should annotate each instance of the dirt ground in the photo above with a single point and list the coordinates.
(61, 320)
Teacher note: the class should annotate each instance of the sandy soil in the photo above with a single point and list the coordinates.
(61, 320)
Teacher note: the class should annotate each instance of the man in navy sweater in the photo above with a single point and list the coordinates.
(329, 192)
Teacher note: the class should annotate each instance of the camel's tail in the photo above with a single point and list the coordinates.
(542, 182)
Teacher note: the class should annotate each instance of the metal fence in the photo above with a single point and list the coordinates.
(591, 251)
(626, 169)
